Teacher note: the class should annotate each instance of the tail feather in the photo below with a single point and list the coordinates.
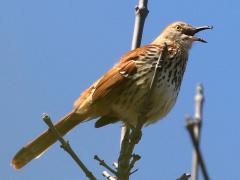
(45, 140)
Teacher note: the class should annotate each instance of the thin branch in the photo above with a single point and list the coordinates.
(102, 163)
(126, 150)
(141, 12)
(185, 176)
(123, 162)
(115, 164)
(195, 130)
(190, 126)
(132, 138)
(66, 146)
(194, 127)
(135, 158)
(199, 100)
(108, 176)
(134, 171)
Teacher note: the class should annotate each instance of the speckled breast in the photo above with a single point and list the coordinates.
(135, 98)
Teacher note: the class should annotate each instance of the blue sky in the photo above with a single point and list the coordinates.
(50, 51)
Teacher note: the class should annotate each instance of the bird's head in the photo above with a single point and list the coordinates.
(182, 33)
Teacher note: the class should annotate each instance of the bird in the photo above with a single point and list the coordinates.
(120, 94)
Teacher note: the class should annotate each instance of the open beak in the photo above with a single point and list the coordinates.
(193, 31)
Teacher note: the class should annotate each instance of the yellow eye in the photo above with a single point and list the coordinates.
(178, 28)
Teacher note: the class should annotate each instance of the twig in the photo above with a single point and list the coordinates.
(199, 100)
(123, 163)
(102, 163)
(135, 135)
(66, 146)
(129, 138)
(194, 128)
(141, 12)
(115, 164)
(135, 158)
(185, 176)
(126, 152)
(108, 176)
(133, 171)
(190, 126)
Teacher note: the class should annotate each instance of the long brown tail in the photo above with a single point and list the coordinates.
(45, 140)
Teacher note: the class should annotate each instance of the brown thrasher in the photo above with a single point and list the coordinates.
(120, 93)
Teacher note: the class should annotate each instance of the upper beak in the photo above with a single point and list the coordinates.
(201, 28)
(193, 31)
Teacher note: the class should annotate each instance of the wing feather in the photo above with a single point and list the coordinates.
(115, 78)
(118, 75)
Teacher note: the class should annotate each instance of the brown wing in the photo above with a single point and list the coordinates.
(118, 75)
(113, 79)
